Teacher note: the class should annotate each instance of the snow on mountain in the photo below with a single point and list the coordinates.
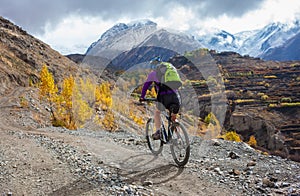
(241, 37)
(254, 43)
(219, 40)
(124, 37)
(289, 51)
(270, 36)
(121, 37)
(175, 41)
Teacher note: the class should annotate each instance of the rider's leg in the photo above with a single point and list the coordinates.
(157, 124)
(157, 120)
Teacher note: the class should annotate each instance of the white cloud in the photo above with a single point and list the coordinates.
(280, 10)
(271, 11)
(179, 18)
(75, 32)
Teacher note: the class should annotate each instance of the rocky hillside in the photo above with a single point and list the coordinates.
(267, 97)
(283, 53)
(263, 99)
(22, 56)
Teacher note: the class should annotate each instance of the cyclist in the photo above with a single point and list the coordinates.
(167, 98)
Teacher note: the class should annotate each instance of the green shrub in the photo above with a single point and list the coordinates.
(290, 104)
(210, 118)
(286, 100)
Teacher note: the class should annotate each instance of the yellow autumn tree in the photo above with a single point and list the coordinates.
(48, 90)
(62, 105)
(252, 141)
(87, 88)
(74, 104)
(103, 96)
(70, 109)
(83, 102)
(231, 136)
(47, 87)
(65, 106)
(108, 121)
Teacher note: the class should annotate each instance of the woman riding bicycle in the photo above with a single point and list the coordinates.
(167, 98)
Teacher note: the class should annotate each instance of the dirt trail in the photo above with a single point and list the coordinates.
(52, 161)
(35, 170)
(141, 167)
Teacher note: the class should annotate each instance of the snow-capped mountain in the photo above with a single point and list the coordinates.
(271, 36)
(242, 36)
(124, 37)
(219, 40)
(256, 43)
(288, 51)
(177, 42)
(121, 37)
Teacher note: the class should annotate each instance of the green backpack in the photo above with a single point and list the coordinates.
(167, 74)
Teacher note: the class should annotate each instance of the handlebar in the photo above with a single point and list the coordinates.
(149, 100)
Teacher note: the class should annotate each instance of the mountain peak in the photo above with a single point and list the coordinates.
(119, 27)
(122, 37)
(141, 23)
(113, 30)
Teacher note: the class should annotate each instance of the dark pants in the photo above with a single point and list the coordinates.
(170, 101)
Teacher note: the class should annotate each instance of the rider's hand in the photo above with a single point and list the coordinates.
(141, 100)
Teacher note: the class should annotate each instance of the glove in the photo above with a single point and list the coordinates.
(141, 99)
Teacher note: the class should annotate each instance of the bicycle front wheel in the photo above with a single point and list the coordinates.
(180, 145)
(155, 146)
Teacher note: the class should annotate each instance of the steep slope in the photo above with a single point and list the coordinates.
(22, 56)
(290, 50)
(271, 36)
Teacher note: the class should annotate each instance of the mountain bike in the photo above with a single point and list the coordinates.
(174, 134)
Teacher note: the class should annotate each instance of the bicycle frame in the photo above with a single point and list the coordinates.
(166, 135)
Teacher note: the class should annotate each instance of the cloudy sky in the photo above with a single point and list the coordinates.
(70, 26)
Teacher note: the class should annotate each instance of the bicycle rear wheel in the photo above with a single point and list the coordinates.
(180, 145)
(155, 146)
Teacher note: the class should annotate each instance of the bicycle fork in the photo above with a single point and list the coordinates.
(164, 137)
